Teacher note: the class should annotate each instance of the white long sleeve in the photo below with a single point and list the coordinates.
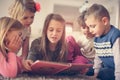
(97, 64)
(116, 52)
(86, 47)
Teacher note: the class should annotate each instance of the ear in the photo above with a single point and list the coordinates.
(105, 20)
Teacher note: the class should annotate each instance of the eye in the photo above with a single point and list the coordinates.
(25, 18)
(50, 29)
(92, 26)
(32, 17)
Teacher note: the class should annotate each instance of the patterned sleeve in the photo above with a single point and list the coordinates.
(116, 51)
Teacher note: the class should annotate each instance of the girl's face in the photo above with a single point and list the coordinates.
(28, 18)
(13, 40)
(55, 31)
(96, 27)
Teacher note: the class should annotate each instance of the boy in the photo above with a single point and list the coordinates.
(106, 43)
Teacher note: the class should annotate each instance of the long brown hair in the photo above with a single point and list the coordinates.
(44, 40)
(7, 24)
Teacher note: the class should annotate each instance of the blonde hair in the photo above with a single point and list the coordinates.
(17, 9)
(7, 24)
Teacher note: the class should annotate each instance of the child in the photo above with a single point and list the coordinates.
(106, 43)
(24, 11)
(86, 42)
(52, 46)
(11, 38)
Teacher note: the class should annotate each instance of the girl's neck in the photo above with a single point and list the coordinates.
(52, 46)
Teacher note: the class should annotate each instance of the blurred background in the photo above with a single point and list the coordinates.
(69, 9)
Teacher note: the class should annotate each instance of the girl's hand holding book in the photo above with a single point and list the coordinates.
(27, 65)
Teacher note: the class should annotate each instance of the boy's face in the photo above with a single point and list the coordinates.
(96, 26)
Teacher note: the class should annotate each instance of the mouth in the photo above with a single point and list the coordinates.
(27, 25)
(54, 38)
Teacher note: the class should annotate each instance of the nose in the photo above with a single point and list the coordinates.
(90, 30)
(54, 32)
(30, 20)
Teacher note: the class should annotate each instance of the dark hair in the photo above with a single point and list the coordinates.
(81, 20)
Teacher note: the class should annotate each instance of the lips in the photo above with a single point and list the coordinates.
(54, 38)
(27, 25)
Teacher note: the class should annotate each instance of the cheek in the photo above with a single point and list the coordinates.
(60, 35)
(48, 34)
(22, 22)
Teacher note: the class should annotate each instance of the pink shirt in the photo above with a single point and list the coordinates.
(11, 67)
(74, 53)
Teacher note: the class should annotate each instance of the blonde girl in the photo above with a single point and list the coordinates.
(11, 38)
(24, 11)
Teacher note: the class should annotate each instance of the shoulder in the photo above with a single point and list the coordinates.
(115, 30)
(37, 40)
(115, 33)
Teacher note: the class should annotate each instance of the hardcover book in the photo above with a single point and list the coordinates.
(54, 68)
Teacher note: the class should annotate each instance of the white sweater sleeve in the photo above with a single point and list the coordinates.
(97, 64)
(116, 52)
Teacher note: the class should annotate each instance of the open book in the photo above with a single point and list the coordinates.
(54, 68)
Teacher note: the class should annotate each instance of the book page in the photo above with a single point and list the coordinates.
(76, 68)
(48, 68)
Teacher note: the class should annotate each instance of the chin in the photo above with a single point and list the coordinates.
(53, 42)
(97, 35)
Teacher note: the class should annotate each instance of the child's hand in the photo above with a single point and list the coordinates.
(14, 43)
(27, 64)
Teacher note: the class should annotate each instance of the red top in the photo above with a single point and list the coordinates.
(74, 53)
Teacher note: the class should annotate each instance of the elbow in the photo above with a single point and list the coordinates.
(9, 74)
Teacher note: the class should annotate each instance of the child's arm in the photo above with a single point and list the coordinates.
(27, 65)
(97, 65)
(34, 53)
(25, 48)
(8, 68)
(116, 52)
(74, 53)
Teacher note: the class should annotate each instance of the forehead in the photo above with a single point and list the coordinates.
(55, 23)
(90, 19)
(28, 13)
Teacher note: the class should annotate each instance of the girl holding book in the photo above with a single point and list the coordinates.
(52, 45)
